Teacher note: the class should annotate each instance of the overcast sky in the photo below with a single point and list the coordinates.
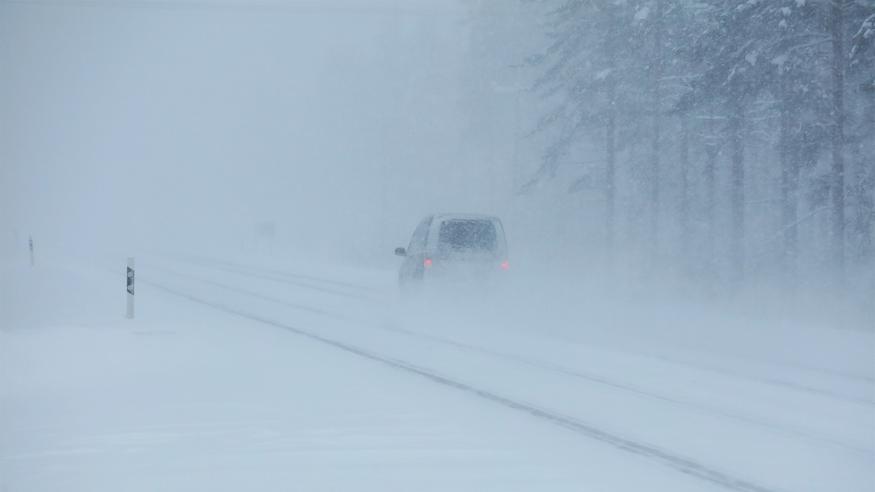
(148, 123)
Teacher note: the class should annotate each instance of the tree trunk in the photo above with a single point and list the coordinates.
(837, 188)
(711, 150)
(866, 180)
(789, 184)
(736, 191)
(685, 191)
(610, 176)
(711, 198)
(862, 186)
(656, 75)
(610, 140)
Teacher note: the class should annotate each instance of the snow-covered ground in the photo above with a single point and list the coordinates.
(246, 375)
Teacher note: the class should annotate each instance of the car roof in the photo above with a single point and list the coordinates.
(469, 216)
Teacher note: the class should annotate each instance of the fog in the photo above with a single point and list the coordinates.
(142, 125)
(686, 300)
(328, 129)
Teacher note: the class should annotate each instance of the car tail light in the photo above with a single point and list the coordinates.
(427, 263)
(505, 265)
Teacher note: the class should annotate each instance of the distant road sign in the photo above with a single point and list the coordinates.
(130, 288)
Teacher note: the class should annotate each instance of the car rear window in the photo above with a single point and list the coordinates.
(467, 236)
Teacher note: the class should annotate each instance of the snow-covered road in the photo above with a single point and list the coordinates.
(300, 378)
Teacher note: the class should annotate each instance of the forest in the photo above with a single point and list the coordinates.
(732, 141)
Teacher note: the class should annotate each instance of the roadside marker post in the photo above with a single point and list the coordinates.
(130, 288)
(30, 248)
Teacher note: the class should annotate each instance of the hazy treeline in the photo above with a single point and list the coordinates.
(728, 139)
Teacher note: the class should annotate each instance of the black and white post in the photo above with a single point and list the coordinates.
(30, 248)
(130, 288)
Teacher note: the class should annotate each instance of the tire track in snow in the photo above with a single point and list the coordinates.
(677, 462)
(540, 365)
(250, 270)
(239, 290)
(772, 381)
(308, 280)
(277, 276)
